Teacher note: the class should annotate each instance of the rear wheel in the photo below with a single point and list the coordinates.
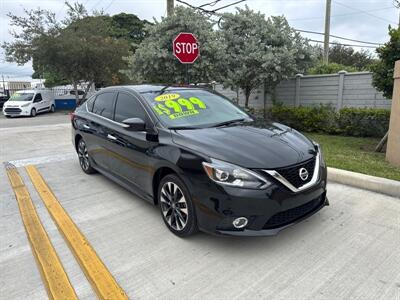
(33, 112)
(176, 206)
(52, 108)
(83, 156)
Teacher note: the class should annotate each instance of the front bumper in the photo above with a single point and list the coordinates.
(16, 111)
(268, 211)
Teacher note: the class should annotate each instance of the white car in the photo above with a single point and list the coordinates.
(29, 103)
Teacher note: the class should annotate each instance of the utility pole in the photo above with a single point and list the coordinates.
(327, 30)
(170, 8)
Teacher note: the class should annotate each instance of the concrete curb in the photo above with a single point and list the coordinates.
(366, 182)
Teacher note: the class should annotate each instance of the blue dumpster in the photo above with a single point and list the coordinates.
(65, 103)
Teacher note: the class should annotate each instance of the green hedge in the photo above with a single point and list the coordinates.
(325, 119)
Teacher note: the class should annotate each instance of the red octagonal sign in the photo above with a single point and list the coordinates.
(186, 47)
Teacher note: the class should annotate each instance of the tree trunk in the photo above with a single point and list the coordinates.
(76, 94)
(382, 143)
(247, 93)
(87, 90)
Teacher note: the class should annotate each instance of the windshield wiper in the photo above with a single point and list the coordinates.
(230, 122)
(183, 127)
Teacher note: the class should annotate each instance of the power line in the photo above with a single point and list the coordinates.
(364, 12)
(340, 15)
(338, 37)
(112, 1)
(213, 11)
(222, 7)
(347, 45)
(210, 4)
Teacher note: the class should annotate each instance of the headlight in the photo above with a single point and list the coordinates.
(228, 174)
(321, 157)
(25, 105)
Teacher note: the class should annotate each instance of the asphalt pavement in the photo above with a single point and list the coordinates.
(349, 250)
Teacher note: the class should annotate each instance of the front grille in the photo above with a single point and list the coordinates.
(12, 110)
(291, 174)
(293, 214)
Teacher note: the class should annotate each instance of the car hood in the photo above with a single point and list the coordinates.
(16, 103)
(272, 147)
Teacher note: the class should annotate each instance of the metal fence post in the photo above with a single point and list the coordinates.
(297, 90)
(340, 89)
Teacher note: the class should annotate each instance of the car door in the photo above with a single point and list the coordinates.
(130, 148)
(96, 128)
(38, 102)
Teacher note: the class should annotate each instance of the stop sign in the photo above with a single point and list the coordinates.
(185, 48)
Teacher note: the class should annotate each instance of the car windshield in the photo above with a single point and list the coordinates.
(194, 108)
(21, 97)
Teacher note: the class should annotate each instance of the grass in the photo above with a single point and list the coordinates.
(355, 154)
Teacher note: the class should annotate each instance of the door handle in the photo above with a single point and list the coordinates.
(86, 126)
(111, 137)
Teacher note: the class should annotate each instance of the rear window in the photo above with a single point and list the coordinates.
(104, 105)
(90, 102)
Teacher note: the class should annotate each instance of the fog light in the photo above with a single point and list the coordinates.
(240, 222)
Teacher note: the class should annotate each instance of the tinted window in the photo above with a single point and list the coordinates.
(104, 105)
(128, 107)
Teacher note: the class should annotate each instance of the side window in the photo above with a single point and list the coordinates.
(104, 105)
(38, 98)
(90, 103)
(128, 107)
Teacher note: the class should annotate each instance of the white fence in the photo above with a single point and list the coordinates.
(339, 90)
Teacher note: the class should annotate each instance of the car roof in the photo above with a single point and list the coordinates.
(146, 88)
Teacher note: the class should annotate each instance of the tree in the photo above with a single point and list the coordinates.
(260, 50)
(154, 61)
(360, 60)
(382, 77)
(78, 49)
(330, 68)
(130, 28)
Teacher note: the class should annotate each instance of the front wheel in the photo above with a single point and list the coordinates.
(176, 206)
(52, 108)
(83, 156)
(33, 112)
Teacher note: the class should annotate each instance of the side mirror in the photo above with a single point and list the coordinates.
(134, 124)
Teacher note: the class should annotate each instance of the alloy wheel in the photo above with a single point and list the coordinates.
(174, 206)
(83, 155)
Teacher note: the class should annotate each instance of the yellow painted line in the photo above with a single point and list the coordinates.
(103, 283)
(53, 274)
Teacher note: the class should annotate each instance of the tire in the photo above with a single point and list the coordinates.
(83, 157)
(180, 216)
(52, 108)
(8, 117)
(33, 112)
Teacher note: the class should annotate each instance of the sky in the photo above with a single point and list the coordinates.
(365, 20)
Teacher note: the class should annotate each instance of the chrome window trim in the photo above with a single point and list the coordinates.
(291, 187)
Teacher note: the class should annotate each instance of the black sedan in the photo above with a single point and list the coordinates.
(3, 99)
(200, 159)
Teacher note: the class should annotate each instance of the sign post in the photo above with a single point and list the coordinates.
(186, 50)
